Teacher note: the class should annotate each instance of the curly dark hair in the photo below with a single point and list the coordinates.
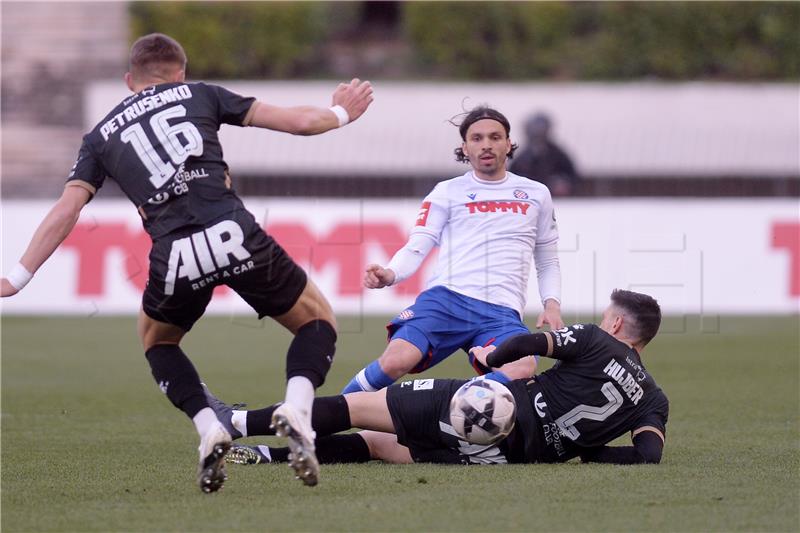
(644, 310)
(471, 117)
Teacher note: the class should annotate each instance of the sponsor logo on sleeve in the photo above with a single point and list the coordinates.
(422, 216)
(423, 384)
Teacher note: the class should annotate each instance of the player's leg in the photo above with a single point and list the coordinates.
(178, 379)
(440, 322)
(308, 360)
(277, 287)
(168, 312)
(330, 414)
(332, 449)
(399, 357)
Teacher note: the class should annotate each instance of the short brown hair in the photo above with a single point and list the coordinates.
(156, 55)
(643, 309)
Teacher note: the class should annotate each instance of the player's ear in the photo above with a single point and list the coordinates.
(617, 324)
(129, 81)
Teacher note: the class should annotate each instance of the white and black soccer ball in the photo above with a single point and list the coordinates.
(483, 411)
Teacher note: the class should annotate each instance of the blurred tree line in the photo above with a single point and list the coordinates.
(486, 40)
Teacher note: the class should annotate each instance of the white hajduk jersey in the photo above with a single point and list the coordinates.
(487, 232)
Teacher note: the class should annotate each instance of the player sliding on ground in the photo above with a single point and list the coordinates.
(597, 391)
(489, 225)
(160, 145)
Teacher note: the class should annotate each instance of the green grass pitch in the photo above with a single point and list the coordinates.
(90, 444)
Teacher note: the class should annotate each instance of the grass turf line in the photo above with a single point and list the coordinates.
(90, 444)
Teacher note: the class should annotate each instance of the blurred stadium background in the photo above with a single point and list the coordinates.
(682, 118)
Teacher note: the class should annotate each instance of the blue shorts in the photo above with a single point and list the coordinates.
(442, 321)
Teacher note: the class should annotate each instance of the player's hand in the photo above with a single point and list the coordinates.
(480, 353)
(377, 277)
(7, 289)
(550, 316)
(354, 97)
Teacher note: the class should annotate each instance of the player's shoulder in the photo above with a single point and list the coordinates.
(202, 86)
(584, 328)
(531, 186)
(463, 180)
(450, 186)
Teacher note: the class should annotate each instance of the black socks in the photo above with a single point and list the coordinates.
(177, 378)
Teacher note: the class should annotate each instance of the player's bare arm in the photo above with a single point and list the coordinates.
(350, 101)
(49, 235)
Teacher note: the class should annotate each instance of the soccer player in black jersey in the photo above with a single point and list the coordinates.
(161, 146)
(597, 391)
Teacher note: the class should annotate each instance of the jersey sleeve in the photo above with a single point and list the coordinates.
(656, 417)
(546, 227)
(232, 108)
(572, 341)
(433, 214)
(87, 172)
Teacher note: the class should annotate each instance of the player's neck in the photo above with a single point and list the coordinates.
(152, 82)
(498, 175)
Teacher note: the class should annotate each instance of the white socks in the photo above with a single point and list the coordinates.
(300, 394)
(239, 421)
(205, 420)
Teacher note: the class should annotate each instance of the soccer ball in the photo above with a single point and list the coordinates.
(482, 411)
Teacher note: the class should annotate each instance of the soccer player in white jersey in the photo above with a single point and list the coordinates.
(489, 225)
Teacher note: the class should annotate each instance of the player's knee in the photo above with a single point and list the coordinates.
(152, 332)
(395, 366)
(399, 358)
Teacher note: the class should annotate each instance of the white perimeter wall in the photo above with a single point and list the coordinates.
(619, 129)
(696, 256)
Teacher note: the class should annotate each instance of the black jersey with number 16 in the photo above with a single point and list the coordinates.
(161, 146)
(598, 390)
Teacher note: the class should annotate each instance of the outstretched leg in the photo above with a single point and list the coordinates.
(331, 449)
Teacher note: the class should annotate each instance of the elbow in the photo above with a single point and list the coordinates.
(651, 459)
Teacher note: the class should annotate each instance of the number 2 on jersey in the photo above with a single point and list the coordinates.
(567, 421)
(160, 170)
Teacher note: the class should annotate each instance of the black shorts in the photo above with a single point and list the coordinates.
(186, 266)
(420, 411)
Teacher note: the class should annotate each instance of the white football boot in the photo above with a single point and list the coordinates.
(288, 422)
(211, 469)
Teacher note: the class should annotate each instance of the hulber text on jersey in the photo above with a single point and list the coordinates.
(626, 381)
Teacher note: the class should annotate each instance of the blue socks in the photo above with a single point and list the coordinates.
(368, 379)
(497, 376)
